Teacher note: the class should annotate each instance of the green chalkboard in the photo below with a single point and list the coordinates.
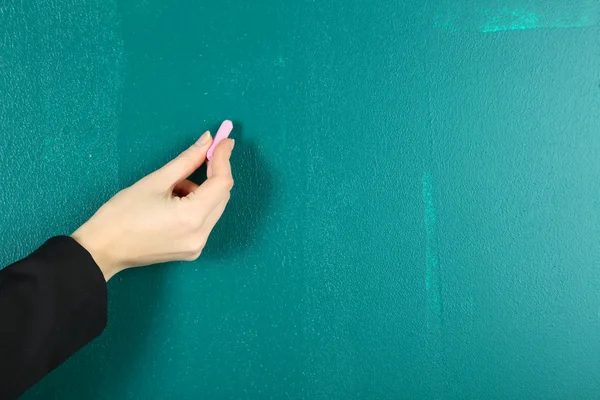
(416, 210)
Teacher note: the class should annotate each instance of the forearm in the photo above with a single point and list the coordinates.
(51, 304)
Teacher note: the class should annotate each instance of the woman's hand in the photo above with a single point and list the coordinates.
(164, 216)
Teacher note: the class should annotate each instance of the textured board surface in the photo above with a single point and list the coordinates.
(416, 205)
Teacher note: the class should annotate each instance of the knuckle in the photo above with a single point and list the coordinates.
(227, 183)
(196, 246)
(186, 155)
(193, 257)
(201, 244)
(182, 160)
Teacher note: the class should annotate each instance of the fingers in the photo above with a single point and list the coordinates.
(184, 188)
(219, 183)
(183, 165)
(207, 202)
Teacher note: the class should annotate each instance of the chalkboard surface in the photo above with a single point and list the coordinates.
(416, 210)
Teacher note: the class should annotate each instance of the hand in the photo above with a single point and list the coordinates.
(164, 216)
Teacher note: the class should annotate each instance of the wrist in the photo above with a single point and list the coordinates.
(98, 250)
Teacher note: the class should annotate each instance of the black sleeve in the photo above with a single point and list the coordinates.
(51, 304)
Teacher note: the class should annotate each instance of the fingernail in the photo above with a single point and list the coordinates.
(232, 143)
(203, 139)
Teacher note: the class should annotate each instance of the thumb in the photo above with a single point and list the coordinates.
(185, 163)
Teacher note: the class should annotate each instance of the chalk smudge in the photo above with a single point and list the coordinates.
(432, 274)
(504, 19)
(509, 20)
(435, 337)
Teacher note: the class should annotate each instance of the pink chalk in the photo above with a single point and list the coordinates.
(222, 134)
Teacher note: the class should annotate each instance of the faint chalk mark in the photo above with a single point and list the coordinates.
(432, 275)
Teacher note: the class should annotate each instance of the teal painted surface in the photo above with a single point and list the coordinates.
(415, 212)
